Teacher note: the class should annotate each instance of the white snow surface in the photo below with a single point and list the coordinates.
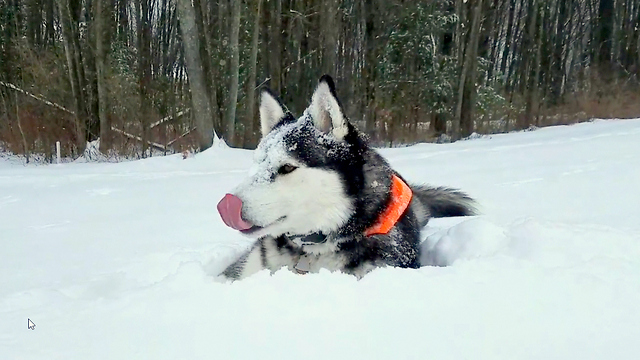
(119, 261)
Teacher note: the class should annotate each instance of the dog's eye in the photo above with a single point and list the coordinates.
(286, 168)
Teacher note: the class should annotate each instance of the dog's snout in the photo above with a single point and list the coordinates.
(230, 209)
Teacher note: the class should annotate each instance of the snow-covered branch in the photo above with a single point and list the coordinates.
(39, 98)
(169, 118)
(135, 137)
(181, 136)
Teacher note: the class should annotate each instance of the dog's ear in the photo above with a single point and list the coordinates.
(326, 111)
(271, 111)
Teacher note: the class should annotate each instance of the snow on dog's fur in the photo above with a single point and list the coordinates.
(315, 191)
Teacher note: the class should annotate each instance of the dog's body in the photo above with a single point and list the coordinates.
(319, 197)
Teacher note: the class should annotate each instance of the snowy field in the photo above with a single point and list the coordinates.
(119, 261)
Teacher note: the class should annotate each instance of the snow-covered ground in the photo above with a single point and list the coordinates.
(119, 261)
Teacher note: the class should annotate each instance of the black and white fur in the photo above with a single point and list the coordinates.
(338, 188)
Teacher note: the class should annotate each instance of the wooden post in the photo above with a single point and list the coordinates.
(57, 152)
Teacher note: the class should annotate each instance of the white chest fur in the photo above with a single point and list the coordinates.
(314, 262)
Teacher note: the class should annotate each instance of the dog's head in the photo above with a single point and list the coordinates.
(303, 172)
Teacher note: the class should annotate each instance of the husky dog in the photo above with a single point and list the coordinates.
(317, 196)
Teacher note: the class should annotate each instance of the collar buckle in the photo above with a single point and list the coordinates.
(311, 239)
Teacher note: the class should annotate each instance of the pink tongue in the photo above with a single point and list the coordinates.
(230, 209)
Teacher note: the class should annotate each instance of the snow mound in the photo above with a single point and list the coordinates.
(470, 239)
(92, 153)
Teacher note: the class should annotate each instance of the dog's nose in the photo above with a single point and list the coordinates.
(230, 209)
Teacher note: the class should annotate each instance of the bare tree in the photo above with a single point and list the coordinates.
(251, 119)
(532, 70)
(144, 68)
(329, 32)
(605, 31)
(234, 54)
(199, 96)
(102, 37)
(464, 120)
(75, 71)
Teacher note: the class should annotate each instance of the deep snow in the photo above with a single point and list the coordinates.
(118, 261)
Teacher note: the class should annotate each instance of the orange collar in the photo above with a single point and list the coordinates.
(401, 195)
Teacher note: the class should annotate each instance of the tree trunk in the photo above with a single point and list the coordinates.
(91, 74)
(250, 136)
(464, 121)
(102, 36)
(24, 139)
(533, 62)
(76, 88)
(144, 70)
(605, 14)
(234, 50)
(50, 33)
(199, 96)
(329, 32)
(123, 22)
(537, 83)
(275, 47)
(210, 61)
(34, 23)
(438, 123)
(459, 34)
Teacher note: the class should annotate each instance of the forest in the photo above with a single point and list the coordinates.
(154, 77)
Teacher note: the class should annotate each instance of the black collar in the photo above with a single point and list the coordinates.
(311, 239)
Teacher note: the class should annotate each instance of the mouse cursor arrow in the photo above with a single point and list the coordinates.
(31, 325)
